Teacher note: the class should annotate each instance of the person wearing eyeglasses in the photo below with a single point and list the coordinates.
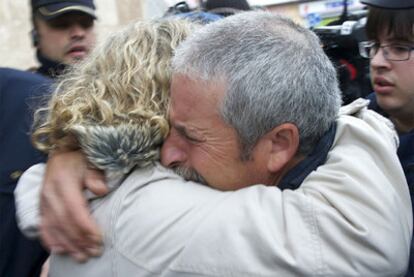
(390, 28)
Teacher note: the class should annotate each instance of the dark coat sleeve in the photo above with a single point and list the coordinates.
(20, 94)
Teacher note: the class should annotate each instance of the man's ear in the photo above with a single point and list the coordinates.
(284, 141)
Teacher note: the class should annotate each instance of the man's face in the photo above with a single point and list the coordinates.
(393, 81)
(67, 38)
(201, 141)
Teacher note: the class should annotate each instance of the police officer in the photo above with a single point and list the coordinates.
(390, 30)
(63, 33)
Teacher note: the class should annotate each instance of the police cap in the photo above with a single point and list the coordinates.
(49, 9)
(389, 4)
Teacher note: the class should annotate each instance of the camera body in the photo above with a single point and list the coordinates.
(340, 43)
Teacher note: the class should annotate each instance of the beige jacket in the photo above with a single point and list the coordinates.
(351, 217)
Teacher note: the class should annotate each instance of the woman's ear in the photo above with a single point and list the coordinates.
(284, 141)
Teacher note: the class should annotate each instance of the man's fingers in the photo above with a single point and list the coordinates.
(71, 231)
(83, 231)
(60, 245)
(56, 233)
(48, 241)
(48, 215)
(67, 225)
(95, 182)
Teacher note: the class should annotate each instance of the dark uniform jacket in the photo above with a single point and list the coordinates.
(48, 67)
(20, 94)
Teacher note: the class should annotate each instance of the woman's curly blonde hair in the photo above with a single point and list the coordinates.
(124, 82)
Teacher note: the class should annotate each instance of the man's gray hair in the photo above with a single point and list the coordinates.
(275, 72)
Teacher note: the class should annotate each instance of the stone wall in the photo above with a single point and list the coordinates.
(15, 45)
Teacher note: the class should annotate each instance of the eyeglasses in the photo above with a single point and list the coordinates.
(391, 52)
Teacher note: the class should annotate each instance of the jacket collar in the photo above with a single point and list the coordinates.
(294, 178)
(49, 67)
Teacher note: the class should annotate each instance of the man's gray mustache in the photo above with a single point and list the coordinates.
(189, 174)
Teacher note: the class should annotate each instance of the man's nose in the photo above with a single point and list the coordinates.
(173, 151)
(77, 31)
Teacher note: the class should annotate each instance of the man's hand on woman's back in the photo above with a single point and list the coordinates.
(66, 222)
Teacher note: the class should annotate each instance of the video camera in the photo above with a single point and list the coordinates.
(340, 42)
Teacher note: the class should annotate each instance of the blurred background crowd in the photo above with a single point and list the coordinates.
(339, 23)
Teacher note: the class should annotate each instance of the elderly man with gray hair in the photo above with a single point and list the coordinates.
(255, 111)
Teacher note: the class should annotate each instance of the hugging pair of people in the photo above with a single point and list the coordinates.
(288, 183)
